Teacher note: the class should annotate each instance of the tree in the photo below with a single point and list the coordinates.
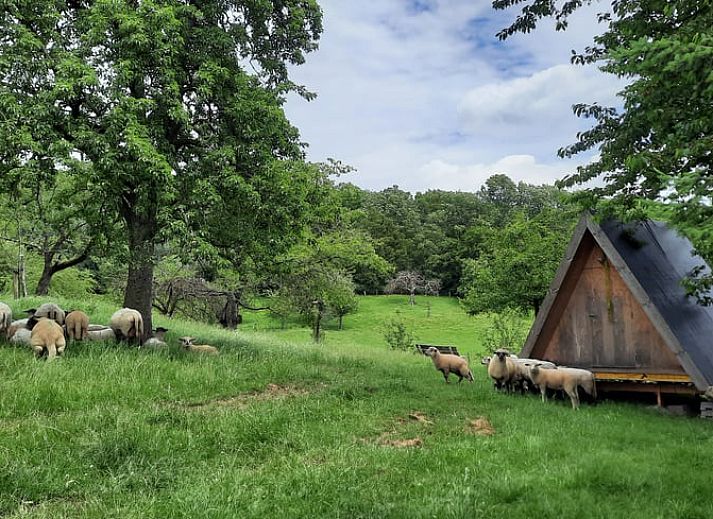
(516, 264)
(658, 146)
(412, 283)
(151, 104)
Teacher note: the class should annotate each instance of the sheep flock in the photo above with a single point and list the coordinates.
(48, 329)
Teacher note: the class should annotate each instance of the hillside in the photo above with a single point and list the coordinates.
(277, 427)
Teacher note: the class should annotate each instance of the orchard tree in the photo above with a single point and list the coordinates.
(658, 146)
(153, 101)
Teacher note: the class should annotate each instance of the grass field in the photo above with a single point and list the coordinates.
(277, 427)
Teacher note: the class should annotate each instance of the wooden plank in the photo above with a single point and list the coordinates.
(643, 377)
(638, 387)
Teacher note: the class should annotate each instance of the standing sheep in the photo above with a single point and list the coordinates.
(47, 336)
(566, 379)
(5, 318)
(128, 325)
(447, 363)
(50, 311)
(503, 370)
(77, 325)
(187, 343)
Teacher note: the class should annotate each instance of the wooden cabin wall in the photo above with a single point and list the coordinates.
(597, 323)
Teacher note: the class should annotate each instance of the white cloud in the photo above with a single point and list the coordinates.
(429, 98)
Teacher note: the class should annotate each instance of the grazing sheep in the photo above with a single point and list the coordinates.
(50, 311)
(566, 379)
(157, 341)
(187, 343)
(15, 326)
(76, 324)
(447, 363)
(128, 325)
(21, 336)
(46, 336)
(97, 332)
(503, 370)
(5, 318)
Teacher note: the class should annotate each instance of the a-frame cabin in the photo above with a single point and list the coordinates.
(617, 308)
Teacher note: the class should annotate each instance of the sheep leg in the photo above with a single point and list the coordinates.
(573, 396)
(460, 378)
(543, 390)
(445, 374)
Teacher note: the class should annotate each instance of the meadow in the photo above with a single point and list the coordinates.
(279, 427)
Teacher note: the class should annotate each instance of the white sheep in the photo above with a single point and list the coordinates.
(128, 324)
(158, 340)
(15, 326)
(50, 311)
(523, 367)
(21, 336)
(566, 379)
(97, 332)
(187, 343)
(503, 370)
(46, 336)
(447, 363)
(5, 318)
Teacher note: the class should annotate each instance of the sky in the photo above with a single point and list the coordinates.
(421, 94)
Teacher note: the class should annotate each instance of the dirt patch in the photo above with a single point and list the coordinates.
(480, 426)
(410, 442)
(243, 400)
(408, 426)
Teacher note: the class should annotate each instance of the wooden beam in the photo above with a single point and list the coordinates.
(642, 377)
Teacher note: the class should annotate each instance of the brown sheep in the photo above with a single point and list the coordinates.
(46, 336)
(77, 325)
(447, 363)
(566, 379)
(503, 370)
(128, 324)
(5, 319)
(187, 343)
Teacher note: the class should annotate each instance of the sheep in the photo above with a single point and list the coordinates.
(21, 336)
(567, 379)
(47, 336)
(523, 367)
(5, 318)
(76, 325)
(128, 324)
(157, 341)
(187, 343)
(447, 364)
(15, 326)
(503, 370)
(97, 332)
(49, 310)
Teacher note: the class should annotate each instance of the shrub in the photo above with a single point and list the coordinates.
(508, 330)
(397, 335)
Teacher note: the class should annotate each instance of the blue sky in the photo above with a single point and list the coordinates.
(421, 94)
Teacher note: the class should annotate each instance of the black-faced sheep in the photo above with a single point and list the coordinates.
(77, 324)
(157, 341)
(50, 311)
(128, 325)
(97, 332)
(187, 343)
(447, 363)
(566, 379)
(46, 337)
(5, 319)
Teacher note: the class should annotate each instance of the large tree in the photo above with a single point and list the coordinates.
(659, 144)
(153, 99)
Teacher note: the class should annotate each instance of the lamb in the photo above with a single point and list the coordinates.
(567, 379)
(447, 364)
(21, 336)
(50, 311)
(503, 370)
(187, 343)
(77, 325)
(47, 336)
(128, 324)
(20, 324)
(97, 332)
(157, 341)
(5, 318)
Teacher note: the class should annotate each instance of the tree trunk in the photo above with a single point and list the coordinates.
(43, 285)
(141, 229)
(49, 269)
(341, 319)
(229, 315)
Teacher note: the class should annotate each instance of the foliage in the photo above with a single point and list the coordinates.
(397, 335)
(658, 145)
(508, 330)
(517, 264)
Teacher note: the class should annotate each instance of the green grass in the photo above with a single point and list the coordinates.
(112, 432)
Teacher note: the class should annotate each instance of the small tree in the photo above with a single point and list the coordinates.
(407, 282)
(397, 334)
(340, 297)
(506, 331)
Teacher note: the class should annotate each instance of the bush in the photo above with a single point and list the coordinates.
(397, 335)
(508, 330)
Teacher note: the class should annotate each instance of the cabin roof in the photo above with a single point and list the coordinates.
(652, 259)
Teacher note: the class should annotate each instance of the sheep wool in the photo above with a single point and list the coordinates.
(187, 343)
(5, 318)
(128, 325)
(503, 370)
(447, 363)
(47, 336)
(21, 336)
(566, 379)
(50, 311)
(77, 325)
